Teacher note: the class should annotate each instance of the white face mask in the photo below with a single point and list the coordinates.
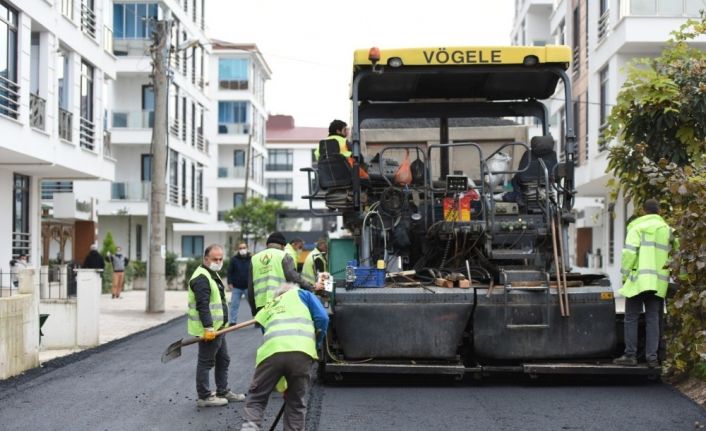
(215, 267)
(243, 252)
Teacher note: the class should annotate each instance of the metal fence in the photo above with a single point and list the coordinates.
(57, 281)
(8, 283)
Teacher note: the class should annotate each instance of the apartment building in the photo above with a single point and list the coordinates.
(605, 36)
(235, 119)
(123, 203)
(56, 69)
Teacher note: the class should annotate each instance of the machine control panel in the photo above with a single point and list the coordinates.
(456, 183)
(518, 223)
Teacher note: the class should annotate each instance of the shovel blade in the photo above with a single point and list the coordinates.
(172, 352)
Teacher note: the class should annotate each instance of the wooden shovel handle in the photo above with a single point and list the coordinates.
(192, 340)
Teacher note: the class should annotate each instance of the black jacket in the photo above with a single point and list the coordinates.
(94, 260)
(238, 271)
(202, 291)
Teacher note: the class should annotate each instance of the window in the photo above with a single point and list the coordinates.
(233, 117)
(193, 185)
(146, 167)
(279, 189)
(238, 199)
(192, 246)
(67, 8)
(561, 33)
(20, 215)
(238, 158)
(666, 8)
(280, 160)
(233, 73)
(575, 44)
(173, 176)
(9, 90)
(134, 20)
(604, 109)
(138, 242)
(148, 104)
(86, 126)
(577, 102)
(603, 19)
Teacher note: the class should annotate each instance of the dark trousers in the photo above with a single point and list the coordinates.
(653, 323)
(212, 353)
(295, 367)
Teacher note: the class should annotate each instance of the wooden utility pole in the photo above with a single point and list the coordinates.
(159, 51)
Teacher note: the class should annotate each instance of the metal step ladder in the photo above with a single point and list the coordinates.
(525, 280)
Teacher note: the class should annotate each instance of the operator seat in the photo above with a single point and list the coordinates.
(531, 182)
(334, 175)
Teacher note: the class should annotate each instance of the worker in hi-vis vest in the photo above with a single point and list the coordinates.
(645, 256)
(208, 312)
(293, 249)
(295, 323)
(338, 132)
(316, 263)
(269, 269)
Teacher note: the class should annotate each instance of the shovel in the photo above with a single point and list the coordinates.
(174, 349)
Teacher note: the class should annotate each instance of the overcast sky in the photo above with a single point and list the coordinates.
(309, 44)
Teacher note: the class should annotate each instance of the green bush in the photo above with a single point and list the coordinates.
(135, 269)
(191, 266)
(171, 268)
(108, 244)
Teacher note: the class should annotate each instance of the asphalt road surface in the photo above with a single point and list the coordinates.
(124, 386)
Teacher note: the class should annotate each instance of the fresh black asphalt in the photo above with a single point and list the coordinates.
(124, 386)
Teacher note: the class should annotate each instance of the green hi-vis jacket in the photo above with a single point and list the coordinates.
(309, 268)
(288, 327)
(267, 275)
(648, 245)
(194, 325)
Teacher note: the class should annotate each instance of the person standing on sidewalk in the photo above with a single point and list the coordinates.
(270, 268)
(238, 271)
(291, 321)
(208, 312)
(119, 262)
(94, 260)
(645, 279)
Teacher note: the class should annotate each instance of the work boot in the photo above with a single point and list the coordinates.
(211, 401)
(231, 396)
(630, 361)
(652, 363)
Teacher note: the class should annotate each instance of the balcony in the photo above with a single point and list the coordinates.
(173, 194)
(202, 143)
(130, 191)
(174, 127)
(48, 188)
(37, 111)
(133, 119)
(603, 26)
(88, 21)
(237, 172)
(9, 98)
(65, 124)
(131, 47)
(87, 133)
(233, 128)
(202, 204)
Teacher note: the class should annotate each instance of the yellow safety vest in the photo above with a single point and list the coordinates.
(342, 145)
(193, 323)
(309, 269)
(267, 275)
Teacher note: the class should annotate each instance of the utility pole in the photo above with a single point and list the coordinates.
(248, 153)
(159, 51)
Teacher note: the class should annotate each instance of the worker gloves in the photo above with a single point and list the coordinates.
(209, 334)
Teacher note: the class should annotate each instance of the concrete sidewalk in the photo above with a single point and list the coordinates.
(125, 316)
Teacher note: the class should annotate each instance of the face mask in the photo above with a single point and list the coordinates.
(243, 252)
(215, 267)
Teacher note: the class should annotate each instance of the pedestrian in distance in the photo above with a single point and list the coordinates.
(295, 323)
(645, 256)
(208, 312)
(238, 271)
(119, 262)
(294, 249)
(16, 266)
(94, 260)
(269, 269)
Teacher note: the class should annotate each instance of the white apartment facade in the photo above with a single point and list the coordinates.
(123, 203)
(56, 67)
(605, 35)
(235, 120)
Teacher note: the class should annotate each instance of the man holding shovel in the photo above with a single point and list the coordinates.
(208, 312)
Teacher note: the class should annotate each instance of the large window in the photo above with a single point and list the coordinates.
(192, 246)
(134, 20)
(280, 160)
(20, 215)
(233, 117)
(146, 167)
(86, 91)
(238, 199)
(233, 73)
(138, 242)
(238, 158)
(9, 90)
(279, 189)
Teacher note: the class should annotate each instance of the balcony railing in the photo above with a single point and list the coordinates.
(130, 191)
(174, 127)
(133, 119)
(202, 143)
(603, 25)
(65, 124)
(9, 98)
(279, 167)
(107, 144)
(222, 215)
(603, 144)
(37, 111)
(233, 128)
(88, 20)
(87, 134)
(108, 39)
(131, 47)
(173, 194)
(575, 61)
(21, 243)
(231, 172)
(50, 187)
(202, 203)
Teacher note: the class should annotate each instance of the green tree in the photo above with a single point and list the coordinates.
(255, 219)
(108, 244)
(658, 126)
